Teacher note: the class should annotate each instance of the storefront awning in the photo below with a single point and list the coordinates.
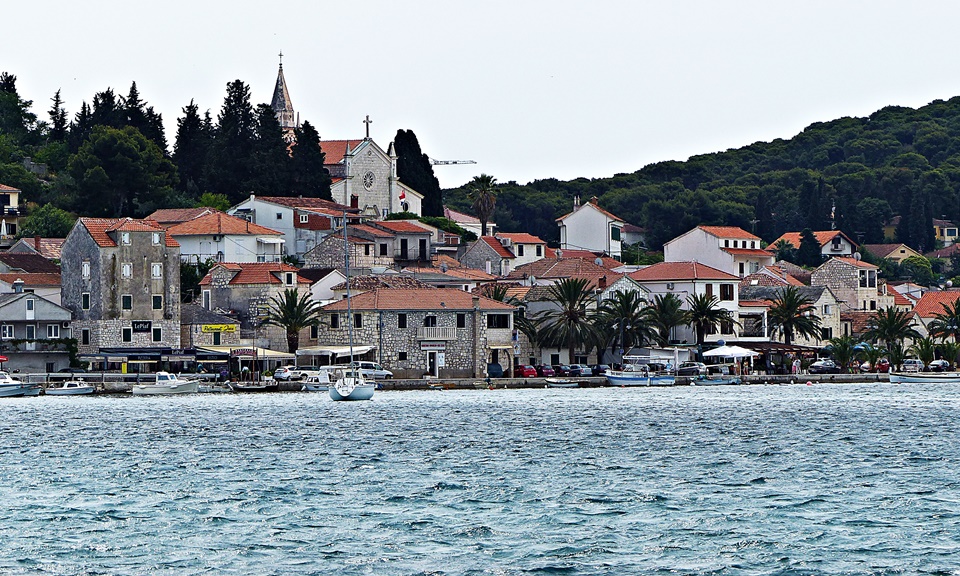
(334, 351)
(247, 352)
(270, 240)
(500, 346)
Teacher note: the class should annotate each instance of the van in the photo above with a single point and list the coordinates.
(373, 370)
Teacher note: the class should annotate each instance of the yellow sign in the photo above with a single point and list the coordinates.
(218, 328)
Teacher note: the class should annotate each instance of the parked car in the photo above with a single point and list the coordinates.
(525, 371)
(301, 372)
(494, 370)
(825, 366)
(690, 368)
(71, 370)
(561, 370)
(598, 369)
(545, 371)
(283, 372)
(373, 370)
(939, 366)
(912, 365)
(579, 370)
(883, 365)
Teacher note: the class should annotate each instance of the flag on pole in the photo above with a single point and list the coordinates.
(403, 195)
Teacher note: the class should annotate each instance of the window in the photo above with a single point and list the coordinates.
(85, 336)
(826, 310)
(498, 320)
(726, 327)
(461, 320)
(741, 269)
(314, 332)
(156, 238)
(304, 218)
(31, 332)
(539, 250)
(826, 333)
(873, 304)
(726, 292)
(279, 215)
(157, 302)
(334, 320)
(615, 233)
(726, 243)
(383, 249)
(401, 355)
(216, 338)
(53, 330)
(126, 335)
(31, 305)
(157, 334)
(126, 302)
(125, 238)
(401, 320)
(289, 278)
(735, 244)
(366, 249)
(519, 249)
(85, 269)
(85, 300)
(6, 331)
(156, 271)
(358, 320)
(708, 290)
(206, 299)
(429, 321)
(126, 270)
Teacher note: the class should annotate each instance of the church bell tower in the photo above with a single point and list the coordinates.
(283, 107)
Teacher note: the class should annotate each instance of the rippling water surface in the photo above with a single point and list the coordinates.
(826, 479)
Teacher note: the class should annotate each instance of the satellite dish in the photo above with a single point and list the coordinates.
(598, 261)
(559, 254)
(857, 256)
(443, 267)
(948, 284)
(533, 280)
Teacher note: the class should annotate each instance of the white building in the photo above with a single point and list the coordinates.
(726, 248)
(225, 238)
(832, 242)
(590, 227)
(526, 248)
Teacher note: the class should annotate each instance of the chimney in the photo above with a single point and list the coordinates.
(354, 201)
(594, 200)
(476, 302)
(36, 243)
(602, 283)
(18, 286)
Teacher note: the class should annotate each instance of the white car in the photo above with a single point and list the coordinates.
(373, 370)
(283, 372)
(912, 365)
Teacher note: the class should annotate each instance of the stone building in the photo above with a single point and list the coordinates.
(9, 215)
(490, 254)
(121, 280)
(439, 332)
(202, 327)
(854, 283)
(32, 332)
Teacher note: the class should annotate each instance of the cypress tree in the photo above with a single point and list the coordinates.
(269, 159)
(228, 165)
(58, 120)
(190, 149)
(310, 178)
(414, 170)
(809, 253)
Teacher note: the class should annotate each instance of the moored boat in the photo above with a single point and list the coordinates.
(13, 387)
(166, 383)
(560, 383)
(262, 386)
(636, 371)
(930, 377)
(350, 385)
(318, 383)
(70, 388)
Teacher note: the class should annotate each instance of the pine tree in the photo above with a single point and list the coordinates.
(80, 127)
(15, 116)
(108, 110)
(270, 160)
(809, 253)
(310, 178)
(414, 170)
(143, 118)
(228, 165)
(190, 149)
(58, 120)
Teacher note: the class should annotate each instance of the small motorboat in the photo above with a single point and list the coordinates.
(167, 383)
(317, 383)
(639, 371)
(560, 383)
(11, 387)
(924, 377)
(71, 388)
(262, 386)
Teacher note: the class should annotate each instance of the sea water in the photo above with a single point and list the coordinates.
(822, 479)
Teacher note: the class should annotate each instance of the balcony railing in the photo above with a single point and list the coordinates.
(436, 333)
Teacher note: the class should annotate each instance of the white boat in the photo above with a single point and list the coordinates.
(167, 383)
(560, 383)
(919, 377)
(350, 385)
(636, 371)
(317, 383)
(70, 388)
(12, 387)
(211, 387)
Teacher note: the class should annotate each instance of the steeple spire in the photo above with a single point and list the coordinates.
(282, 105)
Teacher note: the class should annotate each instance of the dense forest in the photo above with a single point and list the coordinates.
(864, 171)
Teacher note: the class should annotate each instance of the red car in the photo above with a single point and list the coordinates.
(524, 371)
(545, 371)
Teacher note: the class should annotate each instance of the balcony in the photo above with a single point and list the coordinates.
(436, 333)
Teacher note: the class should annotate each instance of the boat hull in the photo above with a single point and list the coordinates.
(19, 390)
(727, 381)
(360, 392)
(274, 387)
(638, 379)
(71, 391)
(929, 377)
(186, 387)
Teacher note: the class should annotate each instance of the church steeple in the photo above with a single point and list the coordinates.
(282, 105)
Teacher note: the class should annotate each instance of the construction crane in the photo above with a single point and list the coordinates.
(449, 162)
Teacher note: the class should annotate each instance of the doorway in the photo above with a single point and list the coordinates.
(432, 363)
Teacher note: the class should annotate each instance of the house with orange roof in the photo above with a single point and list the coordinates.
(304, 222)
(893, 251)
(590, 227)
(9, 215)
(772, 275)
(49, 248)
(931, 304)
(167, 217)
(727, 248)
(525, 247)
(490, 254)
(215, 235)
(375, 244)
(687, 279)
(832, 242)
(121, 280)
(855, 284)
(755, 303)
(417, 332)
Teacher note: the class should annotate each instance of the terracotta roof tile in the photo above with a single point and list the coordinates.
(681, 271)
(748, 252)
(852, 262)
(859, 321)
(6, 188)
(944, 252)
(98, 229)
(32, 278)
(169, 216)
(417, 299)
(334, 150)
(548, 268)
(255, 273)
(729, 232)
(307, 203)
(520, 237)
(371, 230)
(460, 217)
(405, 226)
(931, 303)
(499, 248)
(898, 298)
(373, 282)
(608, 262)
(28, 262)
(220, 223)
(48, 247)
(823, 237)
(596, 207)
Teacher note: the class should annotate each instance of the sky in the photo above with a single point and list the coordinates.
(526, 89)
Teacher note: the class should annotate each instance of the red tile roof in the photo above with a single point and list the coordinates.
(851, 261)
(944, 252)
(219, 223)
(98, 229)
(931, 303)
(460, 217)
(596, 207)
(405, 226)
(898, 298)
(755, 303)
(770, 276)
(32, 278)
(168, 216)
(681, 271)
(823, 237)
(729, 232)
(608, 262)
(335, 149)
(520, 237)
(255, 273)
(437, 299)
(307, 203)
(371, 230)
(499, 248)
(6, 188)
(48, 247)
(550, 268)
(28, 262)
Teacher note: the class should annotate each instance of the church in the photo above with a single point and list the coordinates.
(363, 175)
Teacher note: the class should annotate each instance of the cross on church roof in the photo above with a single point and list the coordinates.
(368, 122)
(281, 58)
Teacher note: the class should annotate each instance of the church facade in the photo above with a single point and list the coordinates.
(363, 175)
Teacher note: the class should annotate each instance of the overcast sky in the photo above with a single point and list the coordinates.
(529, 90)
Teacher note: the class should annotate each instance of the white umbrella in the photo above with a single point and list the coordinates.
(731, 352)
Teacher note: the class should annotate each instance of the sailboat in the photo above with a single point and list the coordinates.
(350, 383)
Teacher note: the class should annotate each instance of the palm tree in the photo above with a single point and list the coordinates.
(925, 349)
(871, 354)
(784, 250)
(891, 326)
(843, 349)
(666, 313)
(793, 313)
(569, 323)
(624, 318)
(482, 192)
(293, 312)
(703, 314)
(949, 351)
(947, 323)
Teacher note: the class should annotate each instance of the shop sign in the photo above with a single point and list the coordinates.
(207, 328)
(141, 325)
(433, 346)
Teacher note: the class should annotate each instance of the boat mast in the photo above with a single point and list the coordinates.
(346, 260)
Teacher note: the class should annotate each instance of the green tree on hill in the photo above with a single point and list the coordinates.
(414, 170)
(310, 178)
